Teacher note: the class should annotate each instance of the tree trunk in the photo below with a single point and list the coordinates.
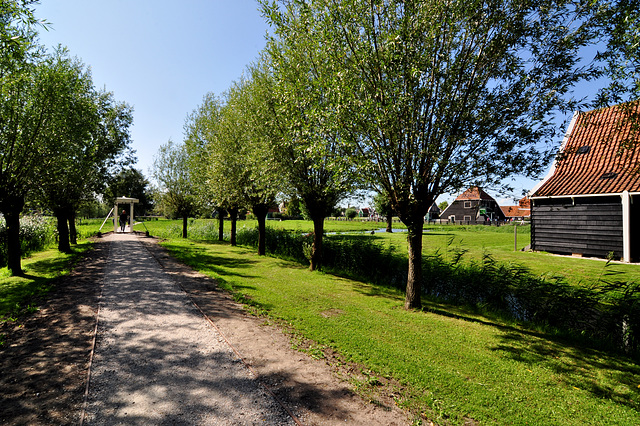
(14, 250)
(414, 277)
(73, 233)
(63, 231)
(11, 206)
(221, 214)
(316, 250)
(260, 211)
(389, 223)
(233, 215)
(185, 220)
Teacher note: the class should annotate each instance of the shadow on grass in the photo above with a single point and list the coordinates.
(20, 292)
(573, 364)
(603, 374)
(577, 366)
(201, 259)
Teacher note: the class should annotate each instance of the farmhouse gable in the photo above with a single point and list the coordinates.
(521, 211)
(585, 205)
(473, 206)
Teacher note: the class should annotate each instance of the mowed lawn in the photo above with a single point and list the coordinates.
(451, 365)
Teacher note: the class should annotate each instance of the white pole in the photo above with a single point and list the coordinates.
(131, 217)
(115, 218)
(105, 220)
(626, 227)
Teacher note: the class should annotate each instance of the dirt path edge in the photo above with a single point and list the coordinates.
(315, 390)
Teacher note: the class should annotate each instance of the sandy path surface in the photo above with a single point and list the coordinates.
(158, 361)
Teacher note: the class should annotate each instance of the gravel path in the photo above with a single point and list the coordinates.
(158, 361)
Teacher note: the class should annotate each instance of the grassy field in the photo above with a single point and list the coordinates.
(449, 363)
(452, 365)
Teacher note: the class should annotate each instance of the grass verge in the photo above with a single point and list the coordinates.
(20, 295)
(454, 366)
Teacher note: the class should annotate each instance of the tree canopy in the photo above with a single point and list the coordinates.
(435, 95)
(59, 136)
(177, 192)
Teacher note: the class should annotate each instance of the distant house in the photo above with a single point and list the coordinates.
(520, 212)
(473, 206)
(589, 203)
(433, 213)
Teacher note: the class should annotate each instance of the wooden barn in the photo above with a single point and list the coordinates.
(589, 203)
(473, 206)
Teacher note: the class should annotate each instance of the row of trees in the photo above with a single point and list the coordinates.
(411, 98)
(60, 137)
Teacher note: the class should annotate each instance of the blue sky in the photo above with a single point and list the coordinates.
(162, 57)
(159, 56)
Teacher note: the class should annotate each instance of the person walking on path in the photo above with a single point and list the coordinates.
(158, 361)
(123, 220)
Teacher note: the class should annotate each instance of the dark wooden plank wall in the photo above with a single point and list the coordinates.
(635, 229)
(592, 226)
(457, 208)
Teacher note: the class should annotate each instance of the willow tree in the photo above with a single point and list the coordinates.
(257, 175)
(27, 90)
(177, 193)
(620, 20)
(216, 156)
(312, 149)
(90, 137)
(200, 129)
(435, 94)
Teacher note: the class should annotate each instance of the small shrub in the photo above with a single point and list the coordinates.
(351, 213)
(206, 230)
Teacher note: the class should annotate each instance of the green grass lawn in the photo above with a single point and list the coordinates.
(500, 245)
(451, 364)
(20, 294)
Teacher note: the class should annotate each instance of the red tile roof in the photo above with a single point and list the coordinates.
(523, 209)
(474, 193)
(599, 155)
(515, 211)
